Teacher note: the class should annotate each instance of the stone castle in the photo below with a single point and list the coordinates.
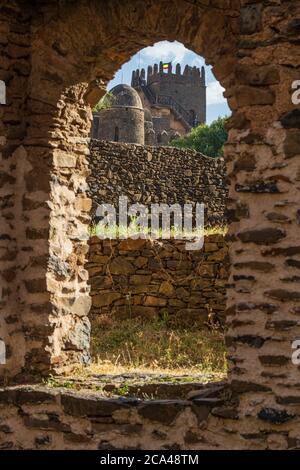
(156, 108)
(54, 55)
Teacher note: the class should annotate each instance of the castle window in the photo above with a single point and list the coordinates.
(116, 139)
(2, 92)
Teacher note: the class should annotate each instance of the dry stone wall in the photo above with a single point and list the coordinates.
(148, 175)
(158, 278)
(45, 418)
(54, 64)
(151, 278)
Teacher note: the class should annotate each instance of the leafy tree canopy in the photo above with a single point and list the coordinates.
(208, 139)
(105, 102)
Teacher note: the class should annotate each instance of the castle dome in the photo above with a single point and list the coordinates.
(125, 96)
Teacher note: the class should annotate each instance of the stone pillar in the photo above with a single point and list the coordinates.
(45, 297)
(262, 159)
(14, 250)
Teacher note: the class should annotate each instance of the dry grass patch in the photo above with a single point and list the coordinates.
(160, 345)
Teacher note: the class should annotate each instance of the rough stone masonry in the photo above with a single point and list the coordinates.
(54, 64)
(148, 175)
(151, 278)
(155, 278)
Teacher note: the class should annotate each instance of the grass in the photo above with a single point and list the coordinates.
(129, 355)
(116, 231)
(160, 346)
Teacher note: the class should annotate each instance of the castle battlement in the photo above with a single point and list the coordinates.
(156, 72)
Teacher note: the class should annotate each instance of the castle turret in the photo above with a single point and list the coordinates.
(133, 78)
(203, 75)
(184, 91)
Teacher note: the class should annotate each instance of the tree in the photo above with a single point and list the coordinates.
(105, 102)
(208, 139)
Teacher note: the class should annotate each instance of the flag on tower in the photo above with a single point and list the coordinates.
(165, 67)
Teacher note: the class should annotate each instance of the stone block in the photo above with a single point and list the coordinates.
(164, 411)
(85, 406)
(251, 19)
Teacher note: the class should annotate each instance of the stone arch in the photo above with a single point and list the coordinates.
(66, 90)
(71, 91)
(46, 299)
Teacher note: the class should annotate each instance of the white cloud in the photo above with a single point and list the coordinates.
(214, 93)
(165, 51)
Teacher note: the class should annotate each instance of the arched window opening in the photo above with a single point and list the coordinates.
(163, 99)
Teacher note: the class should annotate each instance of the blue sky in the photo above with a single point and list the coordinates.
(176, 52)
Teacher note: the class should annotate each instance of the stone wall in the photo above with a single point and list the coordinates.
(148, 175)
(45, 418)
(156, 278)
(34, 270)
(54, 64)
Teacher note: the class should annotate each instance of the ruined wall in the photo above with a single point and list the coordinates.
(45, 418)
(156, 278)
(42, 188)
(22, 209)
(53, 76)
(157, 175)
(159, 276)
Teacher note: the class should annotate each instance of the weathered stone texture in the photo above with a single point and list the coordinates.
(150, 175)
(158, 277)
(43, 418)
(54, 65)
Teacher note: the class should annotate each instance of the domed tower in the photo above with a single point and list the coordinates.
(123, 119)
(149, 131)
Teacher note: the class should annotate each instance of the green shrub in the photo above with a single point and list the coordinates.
(208, 139)
(105, 102)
